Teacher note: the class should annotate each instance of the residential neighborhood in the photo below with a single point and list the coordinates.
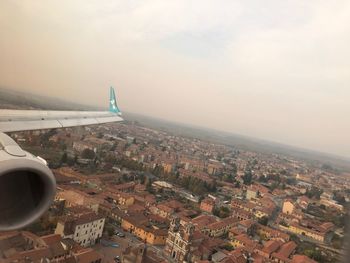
(129, 193)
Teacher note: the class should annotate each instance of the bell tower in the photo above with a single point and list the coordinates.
(174, 224)
(188, 233)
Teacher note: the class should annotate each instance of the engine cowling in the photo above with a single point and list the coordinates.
(27, 186)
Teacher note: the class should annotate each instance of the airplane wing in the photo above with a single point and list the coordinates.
(24, 120)
(27, 185)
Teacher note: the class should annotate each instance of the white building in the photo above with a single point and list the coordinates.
(84, 229)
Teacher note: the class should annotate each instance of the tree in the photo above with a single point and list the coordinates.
(130, 164)
(229, 177)
(248, 176)
(109, 229)
(262, 178)
(142, 178)
(237, 184)
(337, 196)
(44, 137)
(221, 212)
(314, 254)
(337, 241)
(291, 181)
(158, 170)
(149, 187)
(88, 154)
(64, 158)
(314, 192)
(110, 158)
(295, 238)
(228, 247)
(263, 221)
(234, 169)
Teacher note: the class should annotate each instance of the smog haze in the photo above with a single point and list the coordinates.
(275, 70)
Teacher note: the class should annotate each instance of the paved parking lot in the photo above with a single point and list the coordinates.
(109, 253)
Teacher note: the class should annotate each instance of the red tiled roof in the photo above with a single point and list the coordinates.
(302, 259)
(271, 246)
(285, 251)
(51, 239)
(223, 223)
(88, 256)
(247, 223)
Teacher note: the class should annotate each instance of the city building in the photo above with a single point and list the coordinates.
(140, 226)
(185, 244)
(320, 233)
(207, 205)
(178, 242)
(85, 229)
(288, 207)
(23, 246)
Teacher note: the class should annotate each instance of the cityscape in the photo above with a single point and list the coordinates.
(174, 131)
(131, 193)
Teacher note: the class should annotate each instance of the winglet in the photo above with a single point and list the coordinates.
(113, 102)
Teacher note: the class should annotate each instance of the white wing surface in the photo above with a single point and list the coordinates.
(24, 120)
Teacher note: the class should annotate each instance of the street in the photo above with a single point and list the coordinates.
(109, 253)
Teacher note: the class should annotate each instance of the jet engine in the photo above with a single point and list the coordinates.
(27, 186)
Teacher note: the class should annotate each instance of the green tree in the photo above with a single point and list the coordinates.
(64, 158)
(221, 212)
(337, 241)
(314, 254)
(248, 176)
(149, 187)
(88, 154)
(314, 192)
(262, 178)
(110, 230)
(264, 220)
(228, 247)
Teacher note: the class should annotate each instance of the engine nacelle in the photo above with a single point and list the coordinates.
(27, 186)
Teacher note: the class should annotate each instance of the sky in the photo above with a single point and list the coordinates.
(275, 70)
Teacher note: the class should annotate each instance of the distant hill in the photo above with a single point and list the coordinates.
(11, 99)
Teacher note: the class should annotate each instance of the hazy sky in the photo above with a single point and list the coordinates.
(278, 70)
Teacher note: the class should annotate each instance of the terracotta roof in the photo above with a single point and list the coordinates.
(35, 255)
(236, 231)
(203, 220)
(302, 259)
(51, 239)
(238, 256)
(174, 204)
(257, 258)
(273, 232)
(247, 223)
(287, 249)
(223, 223)
(326, 226)
(165, 208)
(209, 201)
(249, 244)
(87, 256)
(271, 246)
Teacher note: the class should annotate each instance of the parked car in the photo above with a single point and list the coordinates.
(107, 243)
(121, 234)
(115, 245)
